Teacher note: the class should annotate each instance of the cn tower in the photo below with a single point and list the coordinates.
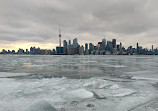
(59, 38)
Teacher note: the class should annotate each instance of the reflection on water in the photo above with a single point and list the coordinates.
(80, 66)
(26, 64)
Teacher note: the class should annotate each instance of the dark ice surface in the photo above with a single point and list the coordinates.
(81, 66)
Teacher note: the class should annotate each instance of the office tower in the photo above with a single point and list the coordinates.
(64, 43)
(76, 46)
(137, 45)
(81, 50)
(69, 42)
(91, 47)
(114, 51)
(152, 48)
(109, 46)
(102, 45)
(86, 49)
(104, 42)
(86, 46)
(65, 47)
(114, 43)
(75, 42)
(70, 49)
(137, 48)
(120, 49)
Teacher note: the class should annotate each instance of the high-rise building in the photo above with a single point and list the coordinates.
(104, 42)
(75, 42)
(70, 49)
(64, 43)
(120, 49)
(65, 47)
(109, 46)
(81, 50)
(137, 45)
(102, 45)
(114, 50)
(86, 49)
(76, 46)
(138, 48)
(114, 43)
(86, 46)
(91, 47)
(69, 42)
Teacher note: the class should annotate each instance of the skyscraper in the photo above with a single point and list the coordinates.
(114, 51)
(81, 50)
(69, 42)
(86, 49)
(102, 45)
(120, 49)
(64, 43)
(104, 42)
(65, 47)
(86, 46)
(91, 47)
(75, 42)
(109, 46)
(137, 48)
(114, 43)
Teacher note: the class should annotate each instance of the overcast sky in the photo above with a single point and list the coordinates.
(24, 23)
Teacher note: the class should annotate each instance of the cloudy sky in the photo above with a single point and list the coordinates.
(25, 23)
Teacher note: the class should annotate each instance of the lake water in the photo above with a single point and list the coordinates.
(81, 83)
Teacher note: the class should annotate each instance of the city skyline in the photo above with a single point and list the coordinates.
(35, 23)
(51, 46)
(72, 47)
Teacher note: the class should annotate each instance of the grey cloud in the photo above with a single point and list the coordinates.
(39, 20)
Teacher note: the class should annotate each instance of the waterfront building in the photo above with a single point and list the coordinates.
(65, 47)
(70, 49)
(91, 47)
(81, 50)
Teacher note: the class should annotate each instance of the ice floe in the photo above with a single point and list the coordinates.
(79, 93)
(41, 106)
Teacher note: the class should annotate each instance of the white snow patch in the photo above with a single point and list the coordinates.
(144, 78)
(41, 106)
(80, 93)
(114, 91)
(115, 86)
(97, 83)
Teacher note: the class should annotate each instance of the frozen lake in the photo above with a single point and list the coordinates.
(81, 83)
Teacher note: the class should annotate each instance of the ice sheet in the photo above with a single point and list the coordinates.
(81, 83)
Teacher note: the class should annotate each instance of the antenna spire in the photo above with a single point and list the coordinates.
(59, 37)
